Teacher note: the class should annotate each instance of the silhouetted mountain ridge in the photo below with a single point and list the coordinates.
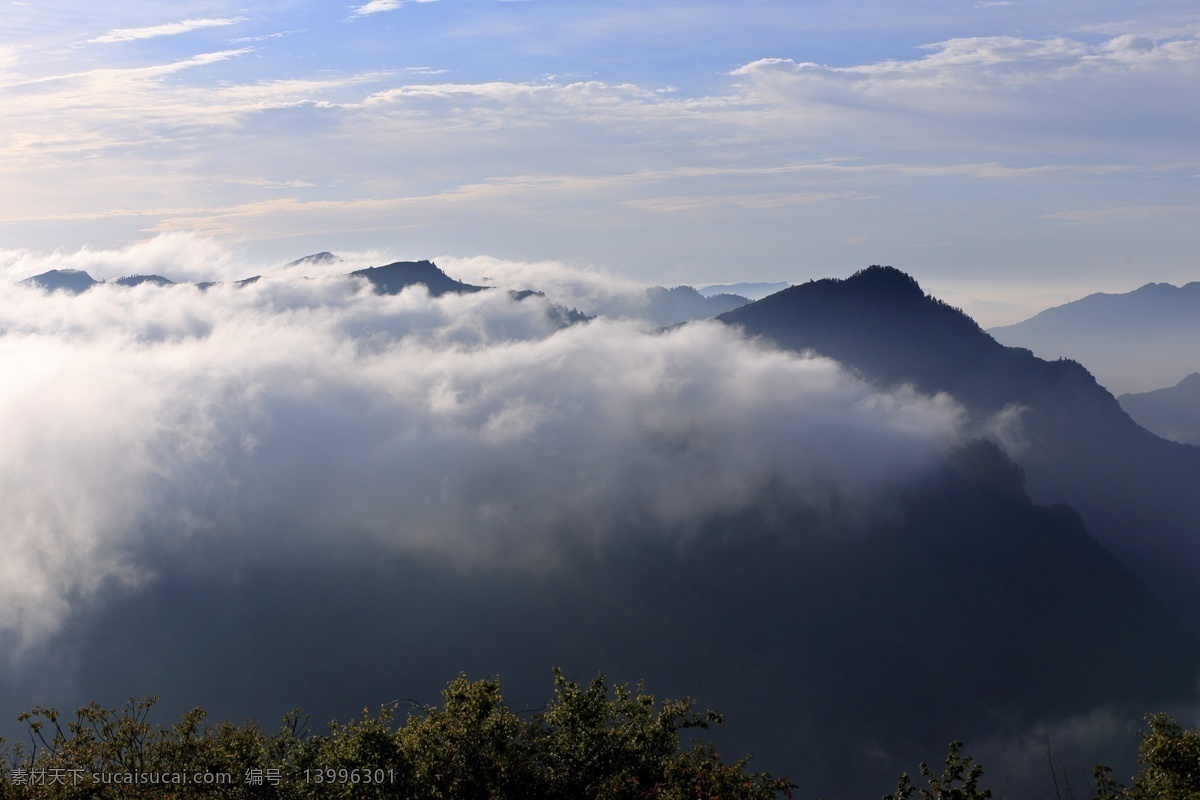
(882, 323)
(399, 275)
(1136, 491)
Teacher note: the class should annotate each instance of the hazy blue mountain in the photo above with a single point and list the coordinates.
(137, 280)
(1132, 342)
(752, 291)
(1136, 491)
(72, 281)
(1173, 413)
(395, 277)
(683, 304)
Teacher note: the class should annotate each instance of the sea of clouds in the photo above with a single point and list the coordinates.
(299, 411)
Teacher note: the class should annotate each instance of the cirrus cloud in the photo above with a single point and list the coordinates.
(166, 29)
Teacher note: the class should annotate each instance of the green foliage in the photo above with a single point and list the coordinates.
(1168, 769)
(958, 781)
(1168, 762)
(1107, 787)
(587, 743)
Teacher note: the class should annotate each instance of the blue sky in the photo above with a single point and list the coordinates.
(1010, 155)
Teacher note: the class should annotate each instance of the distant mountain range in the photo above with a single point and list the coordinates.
(663, 306)
(388, 279)
(1134, 342)
(753, 291)
(1173, 413)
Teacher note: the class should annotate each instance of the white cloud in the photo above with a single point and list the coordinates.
(467, 428)
(9, 56)
(167, 29)
(1002, 94)
(375, 6)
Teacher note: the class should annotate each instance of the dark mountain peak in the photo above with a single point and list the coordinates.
(1074, 440)
(880, 321)
(886, 282)
(399, 275)
(885, 288)
(322, 259)
(73, 281)
(136, 280)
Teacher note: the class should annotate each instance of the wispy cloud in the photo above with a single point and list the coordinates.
(748, 201)
(376, 6)
(8, 56)
(168, 29)
(1101, 216)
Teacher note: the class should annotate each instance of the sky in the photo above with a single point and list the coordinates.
(1011, 155)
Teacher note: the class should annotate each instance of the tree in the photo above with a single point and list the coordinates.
(958, 781)
(587, 743)
(1168, 762)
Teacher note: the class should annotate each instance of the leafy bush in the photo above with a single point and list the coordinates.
(1168, 762)
(587, 743)
(1168, 769)
(958, 781)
